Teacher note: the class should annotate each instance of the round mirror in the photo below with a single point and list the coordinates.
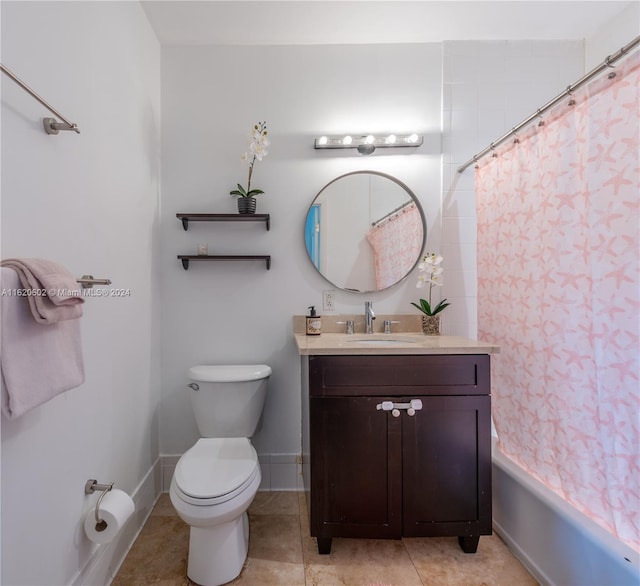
(365, 231)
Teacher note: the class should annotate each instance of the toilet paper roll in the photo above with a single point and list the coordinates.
(115, 509)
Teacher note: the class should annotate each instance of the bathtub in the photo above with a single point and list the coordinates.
(557, 543)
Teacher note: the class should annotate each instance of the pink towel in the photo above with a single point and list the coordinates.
(37, 361)
(55, 294)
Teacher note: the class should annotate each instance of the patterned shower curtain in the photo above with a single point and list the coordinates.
(558, 270)
(396, 243)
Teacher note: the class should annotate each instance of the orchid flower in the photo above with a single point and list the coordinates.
(258, 143)
(431, 275)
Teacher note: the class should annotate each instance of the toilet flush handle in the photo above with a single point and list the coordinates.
(194, 386)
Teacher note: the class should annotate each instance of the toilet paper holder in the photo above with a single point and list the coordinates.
(89, 488)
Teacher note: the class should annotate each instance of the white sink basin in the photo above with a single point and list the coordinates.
(381, 341)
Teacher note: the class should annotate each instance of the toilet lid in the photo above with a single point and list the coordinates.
(215, 466)
(228, 373)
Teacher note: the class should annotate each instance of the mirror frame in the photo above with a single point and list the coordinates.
(413, 197)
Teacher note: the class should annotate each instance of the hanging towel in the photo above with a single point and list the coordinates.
(38, 362)
(55, 295)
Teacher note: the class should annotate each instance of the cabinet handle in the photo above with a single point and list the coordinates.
(411, 407)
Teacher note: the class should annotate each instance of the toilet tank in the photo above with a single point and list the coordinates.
(227, 400)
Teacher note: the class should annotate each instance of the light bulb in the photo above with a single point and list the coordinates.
(347, 140)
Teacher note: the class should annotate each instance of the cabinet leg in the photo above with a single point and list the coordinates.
(469, 544)
(324, 545)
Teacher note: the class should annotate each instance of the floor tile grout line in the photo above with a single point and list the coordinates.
(413, 563)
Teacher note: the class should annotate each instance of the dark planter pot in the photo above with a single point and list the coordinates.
(246, 205)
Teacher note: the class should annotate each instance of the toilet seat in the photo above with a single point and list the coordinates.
(215, 470)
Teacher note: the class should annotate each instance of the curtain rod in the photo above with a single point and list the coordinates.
(395, 211)
(604, 65)
(51, 125)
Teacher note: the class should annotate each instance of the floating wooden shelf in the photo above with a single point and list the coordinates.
(186, 218)
(185, 258)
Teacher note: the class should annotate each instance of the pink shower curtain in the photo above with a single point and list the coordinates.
(396, 243)
(558, 270)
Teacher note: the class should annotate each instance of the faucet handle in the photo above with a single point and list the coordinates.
(349, 324)
(387, 325)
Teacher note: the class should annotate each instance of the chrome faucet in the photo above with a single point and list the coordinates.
(369, 316)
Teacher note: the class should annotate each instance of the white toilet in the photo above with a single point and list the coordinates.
(215, 480)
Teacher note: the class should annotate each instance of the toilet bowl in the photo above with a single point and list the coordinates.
(215, 481)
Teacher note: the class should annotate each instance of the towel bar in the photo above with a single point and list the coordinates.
(87, 281)
(51, 125)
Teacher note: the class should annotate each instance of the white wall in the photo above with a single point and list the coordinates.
(612, 36)
(239, 312)
(89, 202)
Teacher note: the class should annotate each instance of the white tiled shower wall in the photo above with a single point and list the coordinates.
(488, 88)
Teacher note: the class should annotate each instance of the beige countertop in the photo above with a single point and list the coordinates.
(400, 343)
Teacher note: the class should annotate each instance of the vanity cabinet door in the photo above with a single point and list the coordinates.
(447, 468)
(356, 471)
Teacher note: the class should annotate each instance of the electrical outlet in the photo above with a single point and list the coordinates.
(328, 301)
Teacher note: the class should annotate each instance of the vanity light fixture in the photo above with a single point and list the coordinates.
(368, 143)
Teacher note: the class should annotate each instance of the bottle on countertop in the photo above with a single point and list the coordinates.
(314, 322)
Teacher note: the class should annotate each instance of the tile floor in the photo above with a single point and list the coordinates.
(282, 553)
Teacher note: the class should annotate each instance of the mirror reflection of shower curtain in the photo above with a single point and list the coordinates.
(396, 244)
(559, 291)
(312, 234)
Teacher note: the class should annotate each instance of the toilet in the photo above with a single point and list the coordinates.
(215, 481)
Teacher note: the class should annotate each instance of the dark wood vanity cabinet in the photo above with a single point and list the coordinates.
(376, 475)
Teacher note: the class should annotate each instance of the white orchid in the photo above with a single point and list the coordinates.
(258, 143)
(431, 276)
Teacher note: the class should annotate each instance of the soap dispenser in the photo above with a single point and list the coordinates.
(314, 322)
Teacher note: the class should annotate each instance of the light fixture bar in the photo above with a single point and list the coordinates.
(368, 141)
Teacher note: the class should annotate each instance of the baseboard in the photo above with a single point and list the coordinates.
(106, 559)
(514, 547)
(279, 471)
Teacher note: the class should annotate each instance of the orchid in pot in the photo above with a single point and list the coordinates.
(430, 275)
(258, 143)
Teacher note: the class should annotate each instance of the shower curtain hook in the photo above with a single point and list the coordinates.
(608, 63)
(571, 102)
(541, 122)
(493, 152)
(514, 130)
